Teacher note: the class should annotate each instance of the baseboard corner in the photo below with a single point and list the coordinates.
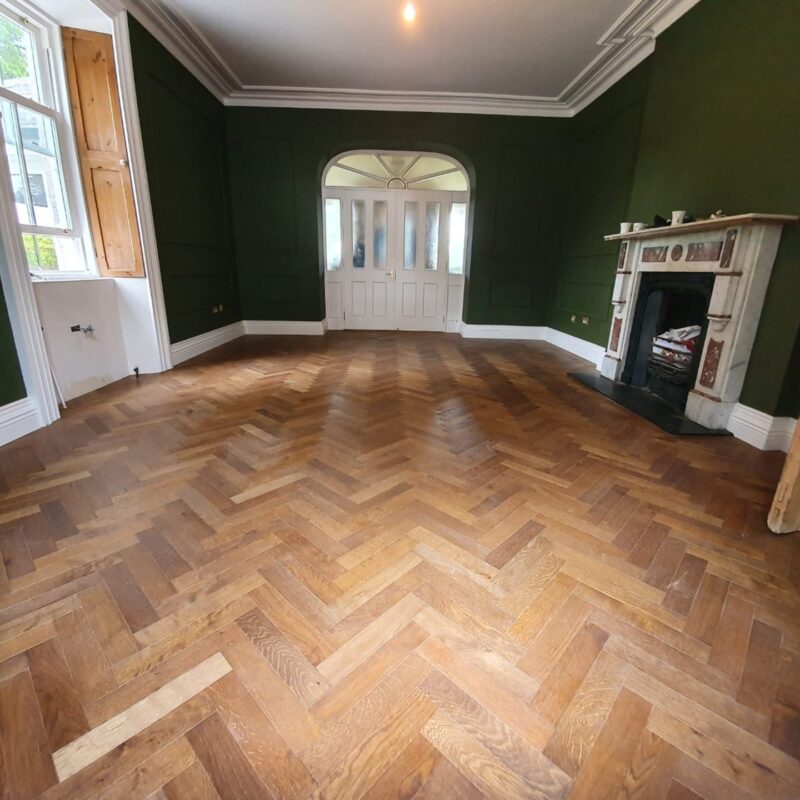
(18, 419)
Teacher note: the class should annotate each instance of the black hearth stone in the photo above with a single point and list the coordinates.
(645, 404)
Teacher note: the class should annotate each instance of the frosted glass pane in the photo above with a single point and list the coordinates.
(410, 237)
(397, 164)
(432, 236)
(380, 232)
(359, 234)
(428, 165)
(341, 177)
(457, 238)
(453, 182)
(364, 162)
(333, 234)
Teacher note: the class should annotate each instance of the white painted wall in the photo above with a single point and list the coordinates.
(137, 320)
(82, 362)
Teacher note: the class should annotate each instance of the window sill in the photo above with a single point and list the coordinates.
(38, 277)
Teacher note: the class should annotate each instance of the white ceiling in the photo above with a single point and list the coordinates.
(501, 47)
(528, 57)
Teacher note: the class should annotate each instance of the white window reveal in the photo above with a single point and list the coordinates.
(32, 129)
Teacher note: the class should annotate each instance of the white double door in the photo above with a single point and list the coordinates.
(393, 266)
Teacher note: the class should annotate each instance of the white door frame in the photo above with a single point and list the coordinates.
(453, 283)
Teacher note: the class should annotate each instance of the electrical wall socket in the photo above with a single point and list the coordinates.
(584, 320)
(573, 318)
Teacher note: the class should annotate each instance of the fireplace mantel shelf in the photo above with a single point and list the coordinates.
(704, 225)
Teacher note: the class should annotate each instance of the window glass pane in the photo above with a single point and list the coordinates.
(365, 162)
(432, 236)
(457, 238)
(380, 231)
(427, 165)
(53, 252)
(18, 71)
(398, 165)
(452, 182)
(333, 234)
(21, 198)
(344, 177)
(410, 237)
(359, 235)
(45, 181)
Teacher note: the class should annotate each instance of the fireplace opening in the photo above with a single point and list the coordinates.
(668, 332)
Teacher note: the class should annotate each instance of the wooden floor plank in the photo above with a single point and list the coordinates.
(381, 565)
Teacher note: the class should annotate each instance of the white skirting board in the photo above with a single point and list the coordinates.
(18, 419)
(197, 345)
(269, 327)
(754, 427)
(535, 333)
(761, 430)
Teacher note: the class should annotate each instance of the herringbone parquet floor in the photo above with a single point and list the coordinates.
(390, 565)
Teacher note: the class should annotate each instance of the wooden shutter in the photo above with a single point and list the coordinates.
(784, 517)
(97, 117)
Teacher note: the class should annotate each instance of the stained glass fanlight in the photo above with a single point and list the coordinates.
(396, 171)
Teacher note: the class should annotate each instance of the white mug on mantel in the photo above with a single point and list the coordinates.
(678, 217)
(639, 226)
(625, 227)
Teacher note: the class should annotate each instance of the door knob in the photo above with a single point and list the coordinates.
(390, 274)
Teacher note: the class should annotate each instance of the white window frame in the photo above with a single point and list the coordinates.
(53, 88)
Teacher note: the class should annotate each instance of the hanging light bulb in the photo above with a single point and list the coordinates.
(409, 13)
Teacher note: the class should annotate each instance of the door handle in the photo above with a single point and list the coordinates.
(390, 275)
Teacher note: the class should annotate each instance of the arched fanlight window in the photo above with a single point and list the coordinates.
(396, 171)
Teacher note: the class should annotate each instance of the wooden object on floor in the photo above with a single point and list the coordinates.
(784, 516)
(382, 565)
(103, 154)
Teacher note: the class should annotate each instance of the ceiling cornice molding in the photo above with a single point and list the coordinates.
(187, 44)
(627, 43)
(624, 45)
(355, 99)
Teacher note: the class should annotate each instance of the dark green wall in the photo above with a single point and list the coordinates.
(732, 141)
(12, 387)
(606, 140)
(516, 165)
(183, 127)
(710, 121)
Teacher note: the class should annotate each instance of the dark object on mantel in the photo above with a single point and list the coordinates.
(663, 222)
(645, 404)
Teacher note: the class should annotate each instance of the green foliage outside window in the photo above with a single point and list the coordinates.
(40, 251)
(13, 58)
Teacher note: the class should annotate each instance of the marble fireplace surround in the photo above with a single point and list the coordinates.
(739, 251)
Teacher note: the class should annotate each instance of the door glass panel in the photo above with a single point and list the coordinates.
(410, 237)
(333, 234)
(457, 238)
(432, 236)
(380, 233)
(359, 234)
